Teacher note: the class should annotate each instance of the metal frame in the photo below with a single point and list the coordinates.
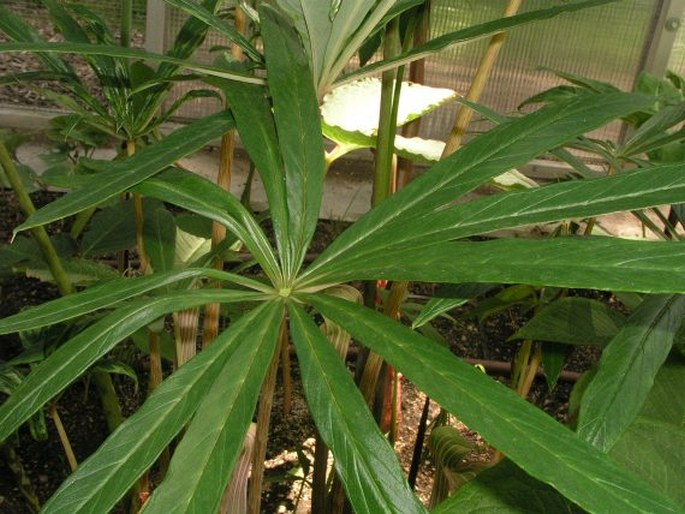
(666, 25)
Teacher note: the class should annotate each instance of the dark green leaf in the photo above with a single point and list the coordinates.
(505, 489)
(574, 262)
(470, 34)
(425, 200)
(106, 295)
(627, 370)
(573, 321)
(201, 196)
(73, 358)
(654, 445)
(297, 118)
(159, 232)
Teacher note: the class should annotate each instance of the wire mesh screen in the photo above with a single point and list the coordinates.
(605, 43)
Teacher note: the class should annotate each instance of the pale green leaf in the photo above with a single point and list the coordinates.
(355, 107)
(536, 442)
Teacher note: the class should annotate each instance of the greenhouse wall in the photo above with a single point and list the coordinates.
(612, 43)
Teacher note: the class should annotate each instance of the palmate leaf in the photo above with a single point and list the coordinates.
(364, 460)
(75, 356)
(466, 35)
(201, 196)
(107, 475)
(505, 147)
(203, 461)
(627, 369)
(575, 262)
(297, 119)
(536, 442)
(122, 175)
(108, 294)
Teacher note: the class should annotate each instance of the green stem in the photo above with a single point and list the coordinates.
(39, 233)
(385, 143)
(108, 398)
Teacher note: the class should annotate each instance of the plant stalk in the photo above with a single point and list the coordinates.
(266, 401)
(211, 323)
(39, 233)
(63, 437)
(478, 83)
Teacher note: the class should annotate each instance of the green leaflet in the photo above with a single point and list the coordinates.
(575, 262)
(297, 119)
(627, 369)
(201, 13)
(105, 295)
(201, 196)
(536, 442)
(573, 321)
(505, 489)
(488, 156)
(73, 358)
(132, 53)
(365, 461)
(654, 444)
(203, 461)
(122, 175)
(108, 474)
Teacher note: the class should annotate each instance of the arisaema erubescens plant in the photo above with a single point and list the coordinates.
(419, 234)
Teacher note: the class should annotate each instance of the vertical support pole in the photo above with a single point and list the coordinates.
(665, 30)
(155, 26)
